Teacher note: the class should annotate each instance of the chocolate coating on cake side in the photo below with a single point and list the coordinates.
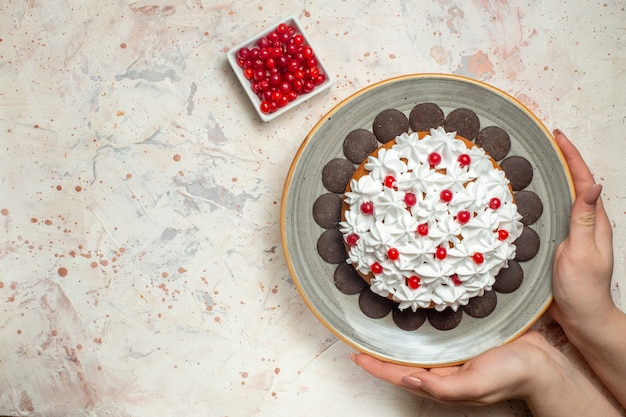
(373, 305)
(464, 122)
(481, 306)
(446, 319)
(518, 170)
(336, 174)
(495, 141)
(347, 280)
(327, 210)
(509, 279)
(330, 246)
(358, 144)
(529, 206)
(527, 245)
(388, 124)
(408, 319)
(426, 116)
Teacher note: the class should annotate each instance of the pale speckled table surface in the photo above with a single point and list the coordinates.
(141, 269)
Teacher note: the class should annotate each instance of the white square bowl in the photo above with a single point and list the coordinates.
(247, 86)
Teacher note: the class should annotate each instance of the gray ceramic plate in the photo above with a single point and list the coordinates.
(340, 313)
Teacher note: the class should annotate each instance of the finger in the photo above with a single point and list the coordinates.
(581, 174)
(382, 370)
(583, 216)
(464, 386)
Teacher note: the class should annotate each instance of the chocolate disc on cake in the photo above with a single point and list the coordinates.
(330, 247)
(447, 319)
(327, 210)
(529, 206)
(464, 122)
(518, 170)
(408, 319)
(527, 245)
(426, 116)
(495, 141)
(336, 174)
(390, 123)
(373, 305)
(347, 280)
(509, 279)
(481, 306)
(358, 144)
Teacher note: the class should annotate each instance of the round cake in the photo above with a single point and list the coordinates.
(429, 220)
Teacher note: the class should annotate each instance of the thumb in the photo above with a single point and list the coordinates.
(583, 217)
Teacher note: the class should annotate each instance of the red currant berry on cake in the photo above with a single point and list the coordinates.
(413, 282)
(351, 239)
(441, 253)
(422, 229)
(463, 216)
(478, 257)
(495, 203)
(410, 200)
(367, 208)
(390, 181)
(376, 268)
(434, 159)
(393, 254)
(455, 280)
(464, 160)
(446, 196)
(503, 234)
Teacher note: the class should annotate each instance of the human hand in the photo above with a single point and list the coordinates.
(529, 368)
(583, 262)
(499, 374)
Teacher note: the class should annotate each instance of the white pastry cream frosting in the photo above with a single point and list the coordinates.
(432, 222)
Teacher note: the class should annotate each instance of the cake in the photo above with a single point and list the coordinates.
(358, 145)
(429, 220)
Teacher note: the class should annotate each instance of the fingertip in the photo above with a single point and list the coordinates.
(411, 381)
(593, 194)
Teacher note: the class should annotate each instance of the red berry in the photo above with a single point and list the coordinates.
(263, 43)
(367, 208)
(478, 257)
(413, 282)
(270, 63)
(308, 86)
(264, 53)
(282, 28)
(410, 200)
(265, 107)
(297, 85)
(320, 79)
(282, 101)
(441, 253)
(248, 73)
(503, 234)
(455, 280)
(292, 95)
(422, 229)
(259, 74)
(464, 160)
(291, 49)
(351, 239)
(307, 51)
(446, 196)
(299, 74)
(463, 216)
(390, 181)
(273, 37)
(434, 159)
(494, 203)
(376, 268)
(243, 53)
(298, 39)
(393, 254)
